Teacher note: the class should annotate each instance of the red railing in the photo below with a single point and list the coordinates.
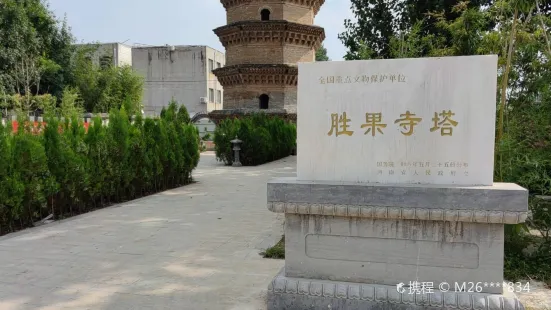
(37, 126)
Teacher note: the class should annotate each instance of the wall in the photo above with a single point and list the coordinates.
(124, 55)
(212, 83)
(255, 54)
(294, 54)
(268, 53)
(246, 96)
(279, 11)
(298, 14)
(211, 106)
(290, 102)
(180, 74)
(120, 54)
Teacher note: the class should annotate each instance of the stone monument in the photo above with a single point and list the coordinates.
(394, 204)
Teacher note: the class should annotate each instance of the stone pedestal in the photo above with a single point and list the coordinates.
(300, 293)
(349, 245)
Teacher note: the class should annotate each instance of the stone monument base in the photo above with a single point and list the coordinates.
(298, 293)
(349, 245)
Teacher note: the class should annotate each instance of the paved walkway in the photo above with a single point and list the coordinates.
(194, 247)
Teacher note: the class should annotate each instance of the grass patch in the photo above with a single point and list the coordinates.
(277, 251)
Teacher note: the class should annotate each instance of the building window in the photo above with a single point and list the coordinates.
(211, 65)
(218, 65)
(264, 100)
(218, 96)
(211, 95)
(265, 14)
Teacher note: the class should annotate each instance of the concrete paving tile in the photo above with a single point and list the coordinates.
(194, 247)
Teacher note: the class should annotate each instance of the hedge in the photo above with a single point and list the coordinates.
(65, 170)
(264, 139)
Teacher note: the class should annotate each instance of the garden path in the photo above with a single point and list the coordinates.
(194, 247)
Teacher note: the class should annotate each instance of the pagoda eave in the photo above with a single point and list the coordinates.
(273, 31)
(268, 25)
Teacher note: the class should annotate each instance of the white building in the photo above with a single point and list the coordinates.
(117, 54)
(183, 73)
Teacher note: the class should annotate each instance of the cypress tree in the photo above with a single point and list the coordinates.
(77, 153)
(183, 115)
(96, 141)
(137, 161)
(30, 162)
(12, 189)
(55, 157)
(152, 160)
(64, 166)
(118, 146)
(5, 162)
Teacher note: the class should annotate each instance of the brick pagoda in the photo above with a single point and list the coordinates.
(264, 40)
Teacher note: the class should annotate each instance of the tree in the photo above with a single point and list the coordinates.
(130, 89)
(321, 54)
(70, 105)
(374, 27)
(38, 56)
(30, 162)
(118, 148)
(152, 159)
(98, 156)
(36, 49)
(103, 88)
(137, 162)
(170, 113)
(518, 32)
(183, 115)
(379, 22)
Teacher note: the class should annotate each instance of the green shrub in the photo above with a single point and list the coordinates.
(118, 145)
(30, 171)
(65, 170)
(226, 131)
(264, 139)
(138, 164)
(523, 157)
(11, 185)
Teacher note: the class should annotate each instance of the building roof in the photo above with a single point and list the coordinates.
(103, 43)
(143, 46)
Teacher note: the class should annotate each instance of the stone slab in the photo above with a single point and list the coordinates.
(295, 293)
(387, 252)
(497, 197)
(423, 120)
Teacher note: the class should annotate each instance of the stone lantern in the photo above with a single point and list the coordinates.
(236, 148)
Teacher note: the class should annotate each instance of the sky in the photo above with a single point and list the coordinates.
(174, 22)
